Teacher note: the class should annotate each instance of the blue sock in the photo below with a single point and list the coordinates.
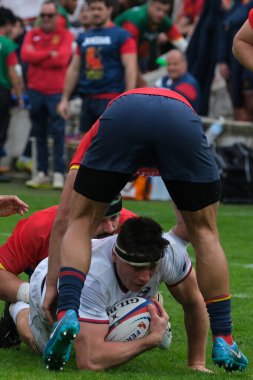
(219, 315)
(71, 283)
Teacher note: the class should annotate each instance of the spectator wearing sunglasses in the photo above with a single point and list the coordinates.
(47, 51)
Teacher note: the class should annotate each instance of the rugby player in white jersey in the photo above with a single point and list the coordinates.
(133, 263)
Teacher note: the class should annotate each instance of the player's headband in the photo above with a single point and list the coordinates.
(132, 259)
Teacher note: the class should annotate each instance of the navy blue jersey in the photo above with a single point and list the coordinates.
(102, 71)
(187, 86)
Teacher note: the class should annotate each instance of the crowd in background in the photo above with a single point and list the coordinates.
(110, 47)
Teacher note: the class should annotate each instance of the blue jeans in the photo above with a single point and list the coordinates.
(47, 122)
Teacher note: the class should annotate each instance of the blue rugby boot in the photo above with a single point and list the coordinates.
(58, 348)
(228, 356)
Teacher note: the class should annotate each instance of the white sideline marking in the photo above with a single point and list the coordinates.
(241, 295)
(5, 234)
(248, 266)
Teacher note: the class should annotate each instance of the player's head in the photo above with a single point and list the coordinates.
(110, 222)
(157, 10)
(85, 16)
(101, 12)
(7, 20)
(70, 5)
(176, 64)
(138, 249)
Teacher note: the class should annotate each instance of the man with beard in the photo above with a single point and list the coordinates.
(104, 65)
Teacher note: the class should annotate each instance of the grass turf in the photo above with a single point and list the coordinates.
(235, 227)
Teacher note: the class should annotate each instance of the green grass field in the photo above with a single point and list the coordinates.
(236, 233)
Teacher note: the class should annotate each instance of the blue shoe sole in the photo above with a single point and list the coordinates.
(229, 364)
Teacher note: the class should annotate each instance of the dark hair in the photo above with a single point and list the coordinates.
(6, 16)
(108, 3)
(142, 240)
(170, 2)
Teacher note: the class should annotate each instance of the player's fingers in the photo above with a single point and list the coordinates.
(152, 311)
(161, 311)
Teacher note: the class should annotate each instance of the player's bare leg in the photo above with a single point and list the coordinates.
(213, 280)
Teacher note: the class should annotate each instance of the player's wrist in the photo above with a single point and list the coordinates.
(154, 339)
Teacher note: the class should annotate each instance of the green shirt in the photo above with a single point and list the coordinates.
(136, 21)
(7, 46)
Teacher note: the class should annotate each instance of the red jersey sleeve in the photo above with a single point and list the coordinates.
(129, 47)
(28, 244)
(187, 90)
(251, 18)
(132, 29)
(12, 59)
(173, 33)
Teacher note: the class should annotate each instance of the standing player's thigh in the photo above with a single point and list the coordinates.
(193, 196)
(182, 149)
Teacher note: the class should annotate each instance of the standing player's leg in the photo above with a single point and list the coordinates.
(198, 205)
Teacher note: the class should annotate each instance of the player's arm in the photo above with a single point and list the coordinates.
(12, 292)
(129, 61)
(94, 353)
(28, 52)
(175, 37)
(70, 82)
(243, 44)
(187, 293)
(11, 204)
(57, 233)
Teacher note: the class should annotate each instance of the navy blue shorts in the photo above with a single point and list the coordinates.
(142, 130)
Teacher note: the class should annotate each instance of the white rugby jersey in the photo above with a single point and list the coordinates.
(101, 289)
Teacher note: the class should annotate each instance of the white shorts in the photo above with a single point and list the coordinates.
(39, 325)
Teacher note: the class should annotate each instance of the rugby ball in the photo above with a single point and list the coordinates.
(129, 319)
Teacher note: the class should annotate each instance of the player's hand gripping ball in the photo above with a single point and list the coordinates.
(130, 320)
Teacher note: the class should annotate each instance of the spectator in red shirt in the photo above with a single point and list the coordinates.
(47, 50)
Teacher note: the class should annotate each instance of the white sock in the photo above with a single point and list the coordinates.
(15, 308)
